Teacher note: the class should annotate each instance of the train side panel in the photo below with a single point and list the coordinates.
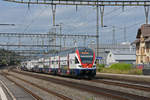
(78, 62)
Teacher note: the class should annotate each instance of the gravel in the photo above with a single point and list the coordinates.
(75, 94)
(112, 87)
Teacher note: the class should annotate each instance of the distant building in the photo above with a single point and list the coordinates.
(121, 57)
(143, 44)
(104, 49)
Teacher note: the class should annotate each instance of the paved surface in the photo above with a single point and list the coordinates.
(139, 78)
(17, 92)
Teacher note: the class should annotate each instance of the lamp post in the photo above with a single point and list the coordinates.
(113, 35)
(60, 31)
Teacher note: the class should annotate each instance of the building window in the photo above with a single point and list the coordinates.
(141, 59)
(147, 59)
(137, 51)
(143, 50)
(147, 50)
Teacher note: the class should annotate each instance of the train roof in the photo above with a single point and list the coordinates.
(72, 50)
(63, 52)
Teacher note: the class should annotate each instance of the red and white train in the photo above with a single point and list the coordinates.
(79, 61)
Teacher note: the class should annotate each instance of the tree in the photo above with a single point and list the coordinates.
(8, 57)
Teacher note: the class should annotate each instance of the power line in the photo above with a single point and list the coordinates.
(112, 11)
(45, 35)
(32, 21)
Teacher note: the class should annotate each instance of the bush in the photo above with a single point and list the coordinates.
(4, 62)
(9, 58)
(121, 68)
(100, 67)
(136, 71)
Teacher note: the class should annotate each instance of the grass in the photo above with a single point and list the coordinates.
(92, 98)
(100, 67)
(119, 68)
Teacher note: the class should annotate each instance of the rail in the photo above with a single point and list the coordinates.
(35, 85)
(88, 88)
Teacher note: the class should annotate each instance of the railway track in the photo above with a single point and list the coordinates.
(8, 91)
(91, 89)
(122, 84)
(62, 97)
(27, 90)
(124, 80)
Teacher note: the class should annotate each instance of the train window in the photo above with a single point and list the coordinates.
(87, 59)
(71, 61)
(76, 60)
(52, 62)
(95, 62)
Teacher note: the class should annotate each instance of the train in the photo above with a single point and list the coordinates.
(78, 62)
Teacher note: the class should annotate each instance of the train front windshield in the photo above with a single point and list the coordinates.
(86, 55)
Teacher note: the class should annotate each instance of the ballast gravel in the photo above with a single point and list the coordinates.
(75, 94)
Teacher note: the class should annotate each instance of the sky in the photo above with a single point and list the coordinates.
(38, 19)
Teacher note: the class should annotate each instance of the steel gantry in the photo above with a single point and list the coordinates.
(46, 35)
(87, 2)
(39, 35)
(25, 45)
(97, 3)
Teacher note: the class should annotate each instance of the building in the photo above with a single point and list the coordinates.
(143, 44)
(104, 49)
(121, 57)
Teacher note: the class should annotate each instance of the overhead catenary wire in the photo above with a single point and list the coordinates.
(35, 18)
(116, 14)
(112, 11)
(120, 37)
(128, 36)
(106, 15)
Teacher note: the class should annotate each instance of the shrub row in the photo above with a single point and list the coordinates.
(119, 68)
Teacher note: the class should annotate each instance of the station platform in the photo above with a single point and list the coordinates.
(136, 78)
